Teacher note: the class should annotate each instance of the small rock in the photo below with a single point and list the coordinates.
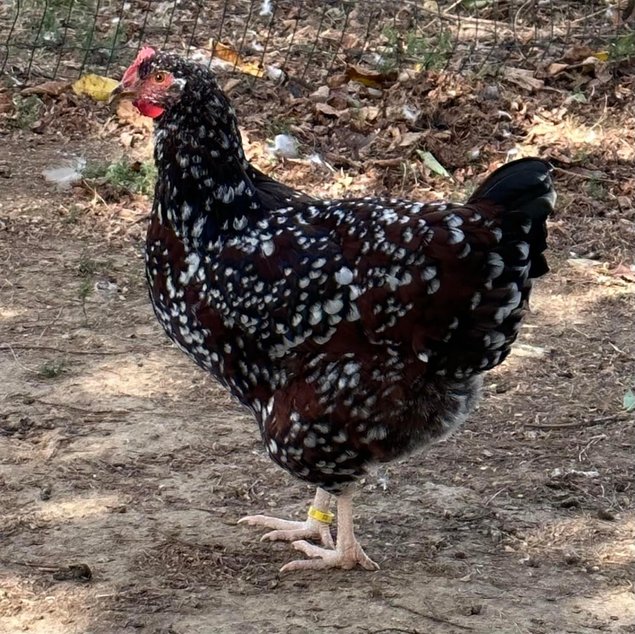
(532, 561)
(491, 92)
(320, 95)
(606, 515)
(74, 572)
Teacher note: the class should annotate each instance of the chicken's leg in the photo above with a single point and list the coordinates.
(316, 526)
(347, 554)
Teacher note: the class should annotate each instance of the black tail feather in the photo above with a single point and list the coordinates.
(524, 191)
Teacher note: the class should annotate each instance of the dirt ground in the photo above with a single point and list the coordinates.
(123, 461)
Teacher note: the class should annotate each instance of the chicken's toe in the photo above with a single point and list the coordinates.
(291, 531)
(322, 558)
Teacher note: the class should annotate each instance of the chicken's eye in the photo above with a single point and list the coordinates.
(160, 77)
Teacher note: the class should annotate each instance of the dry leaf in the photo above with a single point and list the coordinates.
(321, 94)
(627, 273)
(329, 111)
(6, 105)
(369, 78)
(229, 55)
(577, 53)
(523, 78)
(369, 113)
(335, 81)
(50, 88)
(556, 68)
(230, 84)
(127, 113)
(410, 138)
(95, 86)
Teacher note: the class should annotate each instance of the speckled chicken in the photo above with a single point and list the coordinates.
(356, 331)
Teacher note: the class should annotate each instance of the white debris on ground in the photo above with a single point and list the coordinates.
(66, 174)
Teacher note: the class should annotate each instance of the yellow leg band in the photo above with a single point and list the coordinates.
(326, 517)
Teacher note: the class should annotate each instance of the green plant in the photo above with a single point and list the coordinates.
(279, 125)
(27, 110)
(133, 176)
(622, 47)
(52, 369)
(596, 189)
(415, 48)
(74, 214)
(87, 267)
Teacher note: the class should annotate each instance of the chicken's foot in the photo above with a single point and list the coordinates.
(347, 554)
(316, 526)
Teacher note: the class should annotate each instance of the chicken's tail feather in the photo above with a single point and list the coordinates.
(524, 191)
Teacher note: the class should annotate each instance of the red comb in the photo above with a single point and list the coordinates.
(145, 53)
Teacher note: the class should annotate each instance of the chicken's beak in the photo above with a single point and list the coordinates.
(121, 92)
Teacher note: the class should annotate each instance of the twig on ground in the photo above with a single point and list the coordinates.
(99, 353)
(430, 617)
(613, 418)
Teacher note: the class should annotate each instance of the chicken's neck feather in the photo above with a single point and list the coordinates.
(204, 189)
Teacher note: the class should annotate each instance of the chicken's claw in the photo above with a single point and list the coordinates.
(322, 558)
(290, 531)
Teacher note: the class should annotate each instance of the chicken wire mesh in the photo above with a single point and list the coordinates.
(307, 39)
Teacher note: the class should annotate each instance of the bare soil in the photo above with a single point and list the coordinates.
(124, 469)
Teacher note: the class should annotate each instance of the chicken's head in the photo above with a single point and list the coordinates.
(152, 83)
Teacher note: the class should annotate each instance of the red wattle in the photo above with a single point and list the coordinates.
(148, 109)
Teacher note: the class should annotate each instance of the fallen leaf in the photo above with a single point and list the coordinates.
(230, 84)
(320, 95)
(369, 113)
(577, 53)
(411, 138)
(51, 88)
(528, 351)
(95, 86)
(433, 164)
(6, 105)
(230, 56)
(370, 78)
(329, 111)
(627, 273)
(127, 113)
(556, 68)
(584, 263)
(523, 78)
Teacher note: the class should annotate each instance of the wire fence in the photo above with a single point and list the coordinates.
(308, 39)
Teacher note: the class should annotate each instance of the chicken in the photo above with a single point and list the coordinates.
(356, 331)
